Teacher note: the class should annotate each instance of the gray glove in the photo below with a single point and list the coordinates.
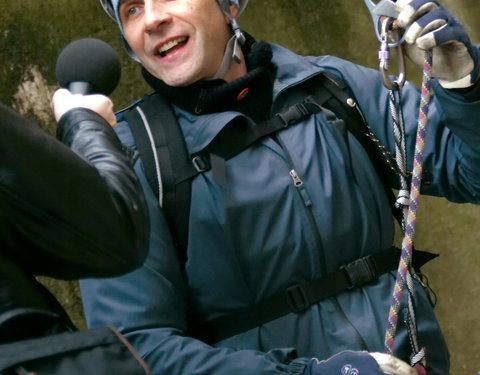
(351, 362)
(392, 366)
(455, 59)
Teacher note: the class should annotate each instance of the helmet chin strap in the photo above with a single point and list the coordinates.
(233, 50)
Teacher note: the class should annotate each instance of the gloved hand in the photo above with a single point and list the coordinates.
(359, 363)
(63, 100)
(456, 62)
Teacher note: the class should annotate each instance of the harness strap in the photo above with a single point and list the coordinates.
(238, 135)
(325, 90)
(173, 188)
(356, 124)
(301, 295)
(342, 103)
(169, 168)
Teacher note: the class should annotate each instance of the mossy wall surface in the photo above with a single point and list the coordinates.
(32, 34)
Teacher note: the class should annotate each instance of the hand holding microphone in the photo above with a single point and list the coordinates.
(63, 101)
(87, 70)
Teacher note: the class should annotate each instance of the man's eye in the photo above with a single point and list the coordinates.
(131, 11)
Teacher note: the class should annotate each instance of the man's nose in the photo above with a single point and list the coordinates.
(156, 14)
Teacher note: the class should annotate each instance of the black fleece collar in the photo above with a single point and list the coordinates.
(250, 94)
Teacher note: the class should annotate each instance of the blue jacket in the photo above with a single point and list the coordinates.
(261, 234)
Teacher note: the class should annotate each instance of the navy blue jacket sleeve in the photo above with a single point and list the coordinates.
(451, 166)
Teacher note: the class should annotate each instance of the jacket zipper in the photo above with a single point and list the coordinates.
(298, 183)
(300, 186)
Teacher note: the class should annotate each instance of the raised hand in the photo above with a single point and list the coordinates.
(455, 59)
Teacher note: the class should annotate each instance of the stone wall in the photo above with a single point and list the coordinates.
(32, 33)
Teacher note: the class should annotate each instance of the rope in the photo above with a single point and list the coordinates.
(395, 105)
(403, 274)
(418, 353)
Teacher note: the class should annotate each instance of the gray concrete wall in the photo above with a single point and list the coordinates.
(32, 33)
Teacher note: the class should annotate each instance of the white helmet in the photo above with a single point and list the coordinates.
(233, 47)
(110, 5)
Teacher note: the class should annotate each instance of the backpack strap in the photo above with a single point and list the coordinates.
(325, 90)
(342, 102)
(167, 165)
(237, 136)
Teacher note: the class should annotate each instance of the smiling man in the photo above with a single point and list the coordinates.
(287, 266)
(191, 50)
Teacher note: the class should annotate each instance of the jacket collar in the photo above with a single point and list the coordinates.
(249, 94)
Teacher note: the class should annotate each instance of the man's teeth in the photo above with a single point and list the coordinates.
(164, 48)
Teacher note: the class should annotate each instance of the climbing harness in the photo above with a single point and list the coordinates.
(384, 17)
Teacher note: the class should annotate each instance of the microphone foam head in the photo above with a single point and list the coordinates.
(89, 60)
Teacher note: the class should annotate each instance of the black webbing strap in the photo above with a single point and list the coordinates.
(142, 141)
(238, 136)
(300, 296)
(323, 90)
(176, 167)
(343, 104)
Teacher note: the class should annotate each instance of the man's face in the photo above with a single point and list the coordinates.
(177, 41)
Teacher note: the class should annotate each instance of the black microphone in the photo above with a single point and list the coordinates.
(88, 66)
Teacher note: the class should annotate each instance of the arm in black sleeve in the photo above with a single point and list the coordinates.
(69, 214)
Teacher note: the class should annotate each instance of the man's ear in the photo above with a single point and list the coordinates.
(233, 10)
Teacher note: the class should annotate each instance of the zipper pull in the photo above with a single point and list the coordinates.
(297, 181)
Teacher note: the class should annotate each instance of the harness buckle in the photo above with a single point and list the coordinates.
(293, 114)
(297, 298)
(200, 163)
(360, 271)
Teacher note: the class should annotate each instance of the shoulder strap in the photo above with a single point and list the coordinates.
(325, 90)
(342, 102)
(168, 167)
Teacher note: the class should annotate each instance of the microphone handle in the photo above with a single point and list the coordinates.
(78, 87)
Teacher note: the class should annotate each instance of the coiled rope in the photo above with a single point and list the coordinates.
(404, 276)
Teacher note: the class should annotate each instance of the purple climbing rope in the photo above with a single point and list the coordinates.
(410, 224)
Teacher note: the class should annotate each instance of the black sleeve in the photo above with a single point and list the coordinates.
(69, 214)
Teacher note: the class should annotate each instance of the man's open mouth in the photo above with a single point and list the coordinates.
(172, 45)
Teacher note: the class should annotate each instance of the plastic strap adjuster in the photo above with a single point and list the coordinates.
(200, 163)
(297, 298)
(294, 114)
(360, 271)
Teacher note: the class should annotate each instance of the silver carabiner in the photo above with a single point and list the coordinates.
(384, 8)
(384, 55)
